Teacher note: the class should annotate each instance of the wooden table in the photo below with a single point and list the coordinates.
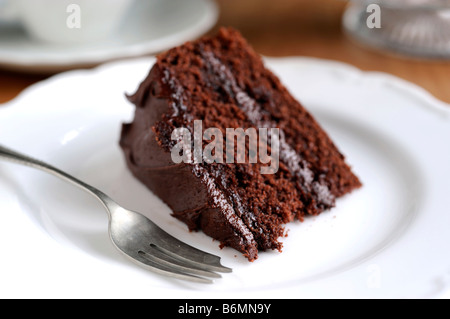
(292, 28)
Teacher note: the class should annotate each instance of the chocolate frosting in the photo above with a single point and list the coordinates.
(176, 184)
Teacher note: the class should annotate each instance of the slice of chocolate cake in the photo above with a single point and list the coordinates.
(223, 83)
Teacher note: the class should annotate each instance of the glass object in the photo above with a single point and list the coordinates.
(419, 28)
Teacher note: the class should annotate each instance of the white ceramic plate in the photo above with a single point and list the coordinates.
(149, 27)
(388, 239)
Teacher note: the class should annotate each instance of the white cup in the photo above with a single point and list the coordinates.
(66, 21)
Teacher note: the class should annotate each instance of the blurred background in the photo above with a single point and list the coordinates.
(312, 28)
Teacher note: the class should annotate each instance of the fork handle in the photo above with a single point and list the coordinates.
(18, 158)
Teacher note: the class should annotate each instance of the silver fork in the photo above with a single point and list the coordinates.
(138, 238)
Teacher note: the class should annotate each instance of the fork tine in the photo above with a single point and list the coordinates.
(142, 260)
(158, 256)
(198, 259)
(184, 252)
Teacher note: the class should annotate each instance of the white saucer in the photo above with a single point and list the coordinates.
(150, 27)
